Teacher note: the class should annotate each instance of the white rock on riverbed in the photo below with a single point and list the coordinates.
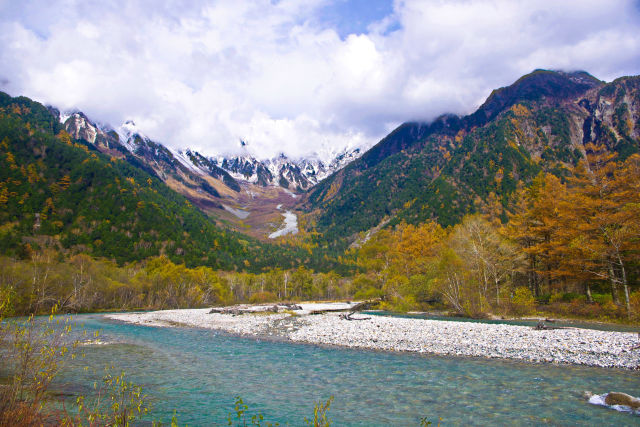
(571, 345)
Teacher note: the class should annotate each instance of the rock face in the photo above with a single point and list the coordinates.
(617, 398)
(80, 127)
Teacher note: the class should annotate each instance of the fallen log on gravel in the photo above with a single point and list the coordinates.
(348, 316)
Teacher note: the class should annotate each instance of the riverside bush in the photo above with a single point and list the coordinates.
(522, 301)
(241, 416)
(368, 294)
(262, 297)
(602, 299)
(399, 304)
(566, 297)
(543, 299)
(578, 309)
(35, 351)
(634, 300)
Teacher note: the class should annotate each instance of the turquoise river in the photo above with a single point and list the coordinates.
(199, 372)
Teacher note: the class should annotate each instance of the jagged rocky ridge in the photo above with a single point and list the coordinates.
(190, 167)
(293, 174)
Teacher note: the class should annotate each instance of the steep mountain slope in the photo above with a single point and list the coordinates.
(450, 167)
(245, 193)
(61, 192)
(196, 178)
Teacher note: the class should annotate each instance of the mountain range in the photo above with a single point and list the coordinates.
(455, 165)
(227, 188)
(440, 170)
(92, 195)
(297, 175)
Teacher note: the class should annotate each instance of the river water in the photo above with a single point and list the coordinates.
(518, 322)
(199, 372)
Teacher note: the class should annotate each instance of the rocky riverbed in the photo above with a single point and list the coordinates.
(565, 346)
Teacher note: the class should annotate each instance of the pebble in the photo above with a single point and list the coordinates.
(588, 347)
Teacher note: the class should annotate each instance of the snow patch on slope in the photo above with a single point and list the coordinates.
(127, 131)
(242, 214)
(186, 162)
(290, 225)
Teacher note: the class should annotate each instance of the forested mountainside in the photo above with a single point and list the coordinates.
(62, 192)
(548, 162)
(459, 165)
(241, 192)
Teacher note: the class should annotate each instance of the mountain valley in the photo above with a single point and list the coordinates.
(245, 193)
(438, 170)
(349, 213)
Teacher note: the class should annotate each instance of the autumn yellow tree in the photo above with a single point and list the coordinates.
(536, 224)
(605, 235)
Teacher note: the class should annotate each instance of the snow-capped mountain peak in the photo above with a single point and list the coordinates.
(280, 170)
(127, 132)
(285, 172)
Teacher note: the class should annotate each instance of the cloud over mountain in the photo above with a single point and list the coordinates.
(205, 74)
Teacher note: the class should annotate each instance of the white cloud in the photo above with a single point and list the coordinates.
(205, 74)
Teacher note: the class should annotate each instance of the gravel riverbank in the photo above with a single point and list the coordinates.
(567, 346)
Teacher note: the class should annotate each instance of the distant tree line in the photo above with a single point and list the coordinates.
(84, 284)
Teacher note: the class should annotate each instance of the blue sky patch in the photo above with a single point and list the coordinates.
(354, 16)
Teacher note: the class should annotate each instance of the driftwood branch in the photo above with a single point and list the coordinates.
(542, 326)
(347, 316)
(359, 307)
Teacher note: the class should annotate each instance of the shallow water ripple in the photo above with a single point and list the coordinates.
(199, 372)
